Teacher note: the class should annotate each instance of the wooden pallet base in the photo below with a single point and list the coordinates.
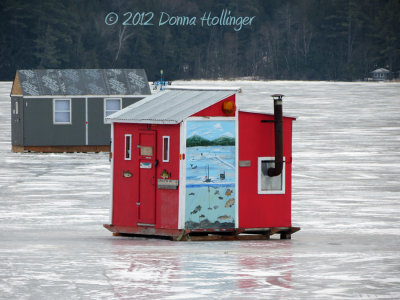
(60, 149)
(204, 234)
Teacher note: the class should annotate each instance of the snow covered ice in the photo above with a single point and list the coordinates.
(346, 170)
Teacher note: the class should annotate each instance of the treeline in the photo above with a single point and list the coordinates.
(306, 39)
(196, 141)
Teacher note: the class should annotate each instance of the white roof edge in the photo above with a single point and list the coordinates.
(110, 121)
(255, 111)
(204, 88)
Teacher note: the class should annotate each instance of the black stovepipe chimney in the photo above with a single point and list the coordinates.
(278, 132)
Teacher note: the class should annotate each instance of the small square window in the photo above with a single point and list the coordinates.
(267, 184)
(111, 106)
(62, 111)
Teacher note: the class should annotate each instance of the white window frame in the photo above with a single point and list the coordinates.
(168, 149)
(260, 191)
(105, 106)
(54, 112)
(129, 156)
(16, 107)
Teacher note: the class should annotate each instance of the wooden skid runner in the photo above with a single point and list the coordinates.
(203, 235)
(60, 149)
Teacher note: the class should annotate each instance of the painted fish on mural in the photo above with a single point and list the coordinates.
(196, 210)
(224, 217)
(230, 202)
(228, 192)
(127, 174)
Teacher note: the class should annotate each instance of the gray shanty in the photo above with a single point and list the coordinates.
(64, 110)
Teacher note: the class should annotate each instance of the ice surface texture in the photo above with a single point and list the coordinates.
(346, 170)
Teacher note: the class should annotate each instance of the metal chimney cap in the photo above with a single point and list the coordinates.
(277, 96)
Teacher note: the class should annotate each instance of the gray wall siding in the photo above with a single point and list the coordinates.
(34, 125)
(128, 101)
(39, 129)
(99, 133)
(17, 124)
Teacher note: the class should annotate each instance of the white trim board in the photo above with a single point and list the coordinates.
(182, 177)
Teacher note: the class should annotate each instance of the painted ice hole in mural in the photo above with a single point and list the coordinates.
(210, 174)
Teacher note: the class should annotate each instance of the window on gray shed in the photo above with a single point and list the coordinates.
(62, 111)
(111, 106)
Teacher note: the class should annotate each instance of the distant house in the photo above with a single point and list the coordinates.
(380, 74)
(64, 110)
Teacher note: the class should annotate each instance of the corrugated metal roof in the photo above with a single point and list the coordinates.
(170, 106)
(69, 82)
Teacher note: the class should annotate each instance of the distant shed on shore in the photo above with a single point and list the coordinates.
(380, 74)
(64, 110)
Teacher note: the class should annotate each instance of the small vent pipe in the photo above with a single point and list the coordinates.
(278, 132)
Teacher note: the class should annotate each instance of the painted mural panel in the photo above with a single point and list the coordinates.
(210, 174)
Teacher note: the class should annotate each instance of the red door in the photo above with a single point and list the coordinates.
(147, 178)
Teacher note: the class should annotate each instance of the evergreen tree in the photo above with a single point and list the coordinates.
(307, 39)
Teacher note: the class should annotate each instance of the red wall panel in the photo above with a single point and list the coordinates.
(216, 109)
(125, 190)
(256, 139)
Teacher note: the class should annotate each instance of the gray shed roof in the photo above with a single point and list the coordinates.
(381, 70)
(169, 106)
(70, 82)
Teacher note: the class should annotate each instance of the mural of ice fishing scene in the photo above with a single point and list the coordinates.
(210, 174)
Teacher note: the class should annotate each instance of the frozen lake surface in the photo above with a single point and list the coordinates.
(346, 199)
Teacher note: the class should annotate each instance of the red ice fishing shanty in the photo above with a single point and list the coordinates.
(188, 165)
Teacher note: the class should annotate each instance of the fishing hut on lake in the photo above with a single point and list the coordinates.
(188, 165)
(65, 110)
